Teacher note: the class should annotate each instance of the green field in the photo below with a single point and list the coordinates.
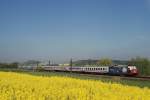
(86, 77)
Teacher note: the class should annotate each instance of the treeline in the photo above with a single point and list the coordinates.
(101, 62)
(9, 65)
(143, 64)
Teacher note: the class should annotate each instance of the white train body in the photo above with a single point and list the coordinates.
(101, 69)
(112, 70)
(56, 68)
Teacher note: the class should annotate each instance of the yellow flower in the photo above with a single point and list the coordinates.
(14, 86)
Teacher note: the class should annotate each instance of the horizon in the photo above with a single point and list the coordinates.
(68, 61)
(78, 29)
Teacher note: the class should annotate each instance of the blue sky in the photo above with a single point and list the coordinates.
(78, 29)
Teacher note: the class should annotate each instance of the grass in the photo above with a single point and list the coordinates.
(138, 83)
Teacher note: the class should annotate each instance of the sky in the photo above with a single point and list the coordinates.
(78, 29)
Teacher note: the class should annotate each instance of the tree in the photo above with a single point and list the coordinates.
(143, 65)
(9, 65)
(31, 62)
(104, 62)
(14, 65)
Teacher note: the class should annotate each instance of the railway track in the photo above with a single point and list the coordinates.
(144, 78)
(127, 77)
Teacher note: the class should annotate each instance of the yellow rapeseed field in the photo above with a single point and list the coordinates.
(15, 86)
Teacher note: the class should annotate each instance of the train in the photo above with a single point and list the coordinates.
(122, 70)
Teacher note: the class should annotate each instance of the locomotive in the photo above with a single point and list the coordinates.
(110, 70)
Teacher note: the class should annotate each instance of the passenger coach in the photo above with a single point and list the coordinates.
(100, 70)
(111, 70)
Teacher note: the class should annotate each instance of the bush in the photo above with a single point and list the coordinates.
(143, 64)
(11, 65)
(39, 69)
(105, 62)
